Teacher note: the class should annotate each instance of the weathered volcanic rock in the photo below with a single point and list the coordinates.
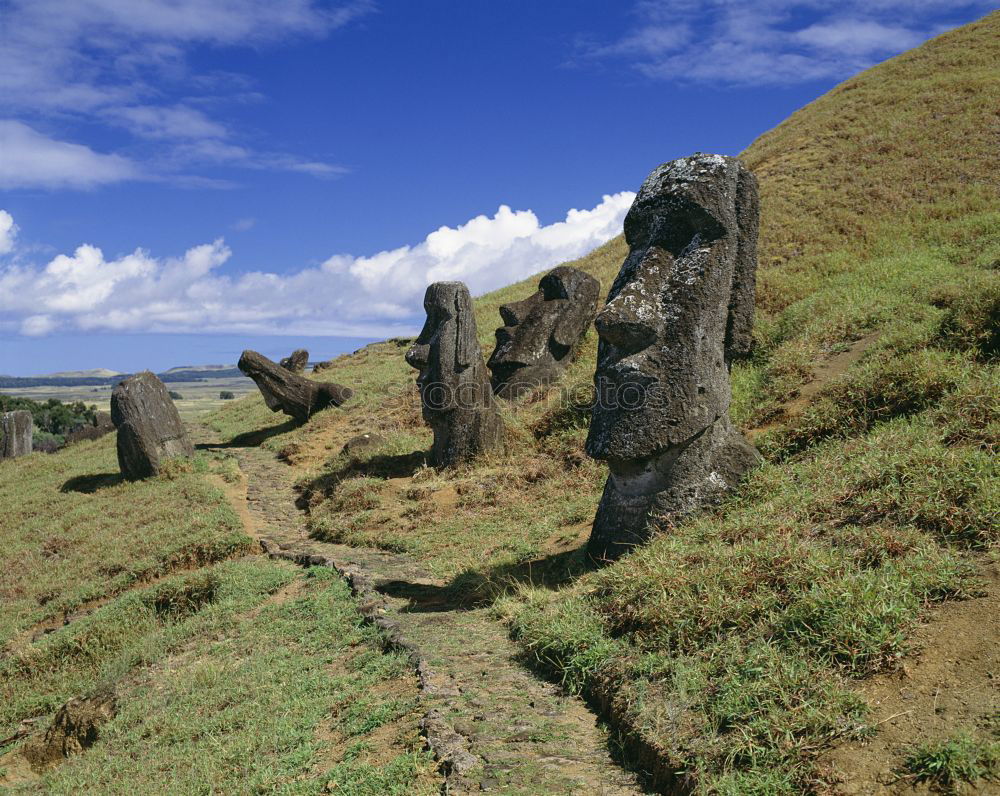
(679, 312)
(455, 393)
(18, 431)
(296, 361)
(287, 392)
(149, 429)
(541, 332)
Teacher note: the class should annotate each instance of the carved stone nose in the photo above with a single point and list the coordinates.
(418, 355)
(625, 329)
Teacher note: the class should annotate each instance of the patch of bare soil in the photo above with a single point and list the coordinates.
(74, 729)
(949, 683)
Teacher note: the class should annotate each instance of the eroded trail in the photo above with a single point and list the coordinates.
(493, 724)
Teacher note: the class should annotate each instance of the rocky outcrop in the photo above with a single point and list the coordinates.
(16, 434)
(540, 333)
(455, 393)
(287, 392)
(679, 312)
(149, 429)
(296, 361)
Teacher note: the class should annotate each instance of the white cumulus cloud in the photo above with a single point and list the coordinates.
(380, 294)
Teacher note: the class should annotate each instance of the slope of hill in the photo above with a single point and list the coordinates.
(727, 651)
(730, 655)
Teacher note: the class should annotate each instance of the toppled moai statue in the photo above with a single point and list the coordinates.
(287, 392)
(149, 429)
(680, 310)
(18, 431)
(296, 361)
(455, 393)
(541, 332)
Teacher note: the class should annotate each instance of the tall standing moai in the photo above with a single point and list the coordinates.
(18, 432)
(455, 392)
(679, 312)
(149, 429)
(541, 333)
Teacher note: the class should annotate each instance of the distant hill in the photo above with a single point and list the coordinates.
(102, 376)
(96, 373)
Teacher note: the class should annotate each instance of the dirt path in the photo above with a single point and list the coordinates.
(491, 723)
(950, 682)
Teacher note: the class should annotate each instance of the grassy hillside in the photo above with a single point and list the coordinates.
(230, 672)
(731, 649)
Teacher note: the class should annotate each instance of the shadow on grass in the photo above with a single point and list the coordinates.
(477, 588)
(251, 439)
(91, 483)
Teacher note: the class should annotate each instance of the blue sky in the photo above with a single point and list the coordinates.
(180, 179)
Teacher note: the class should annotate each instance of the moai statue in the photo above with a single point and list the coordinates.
(288, 392)
(18, 432)
(455, 393)
(540, 333)
(679, 312)
(296, 361)
(149, 429)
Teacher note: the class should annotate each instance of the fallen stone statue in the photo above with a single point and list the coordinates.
(540, 333)
(149, 429)
(679, 312)
(17, 429)
(296, 361)
(455, 393)
(287, 392)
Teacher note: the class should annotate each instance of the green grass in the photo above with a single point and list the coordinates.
(74, 532)
(731, 646)
(231, 690)
(231, 673)
(963, 758)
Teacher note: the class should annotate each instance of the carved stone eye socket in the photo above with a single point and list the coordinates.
(628, 335)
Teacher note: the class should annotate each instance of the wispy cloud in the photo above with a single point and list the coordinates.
(124, 64)
(771, 42)
(32, 159)
(345, 295)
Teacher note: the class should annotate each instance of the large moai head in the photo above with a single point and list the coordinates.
(16, 434)
(540, 333)
(679, 312)
(455, 394)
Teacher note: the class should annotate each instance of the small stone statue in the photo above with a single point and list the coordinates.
(540, 333)
(455, 394)
(18, 430)
(679, 312)
(287, 392)
(149, 429)
(296, 361)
